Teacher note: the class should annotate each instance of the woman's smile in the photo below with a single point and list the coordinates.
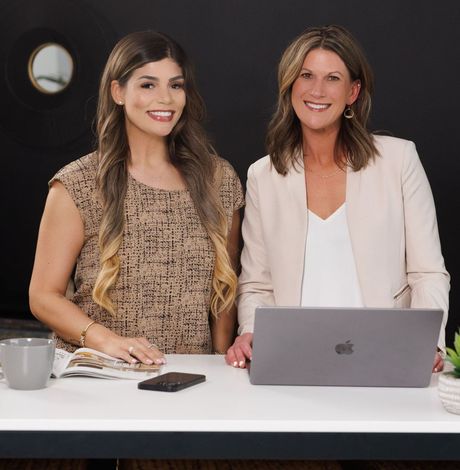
(160, 115)
(318, 107)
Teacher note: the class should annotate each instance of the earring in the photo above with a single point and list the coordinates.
(120, 102)
(348, 113)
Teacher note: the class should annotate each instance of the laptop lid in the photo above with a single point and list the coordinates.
(374, 347)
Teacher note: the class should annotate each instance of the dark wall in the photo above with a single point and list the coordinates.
(235, 45)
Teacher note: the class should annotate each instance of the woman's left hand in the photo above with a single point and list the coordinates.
(438, 364)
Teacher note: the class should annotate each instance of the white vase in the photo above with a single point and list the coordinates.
(449, 392)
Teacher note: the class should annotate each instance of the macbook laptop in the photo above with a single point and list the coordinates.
(372, 347)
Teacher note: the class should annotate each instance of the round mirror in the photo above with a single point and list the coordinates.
(50, 68)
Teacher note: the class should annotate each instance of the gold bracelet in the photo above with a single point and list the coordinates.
(84, 331)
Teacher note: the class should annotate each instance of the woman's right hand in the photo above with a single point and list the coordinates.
(240, 351)
(130, 350)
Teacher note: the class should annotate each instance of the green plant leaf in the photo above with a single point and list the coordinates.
(453, 358)
(457, 343)
(451, 353)
(455, 364)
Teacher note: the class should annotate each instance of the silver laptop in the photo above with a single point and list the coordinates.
(372, 347)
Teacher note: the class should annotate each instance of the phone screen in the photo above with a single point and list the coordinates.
(171, 381)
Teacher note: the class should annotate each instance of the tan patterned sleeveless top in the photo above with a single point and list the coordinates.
(163, 290)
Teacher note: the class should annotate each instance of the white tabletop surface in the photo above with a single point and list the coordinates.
(225, 402)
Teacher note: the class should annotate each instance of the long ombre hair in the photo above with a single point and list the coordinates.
(284, 137)
(189, 150)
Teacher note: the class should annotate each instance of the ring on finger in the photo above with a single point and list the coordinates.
(131, 349)
(152, 346)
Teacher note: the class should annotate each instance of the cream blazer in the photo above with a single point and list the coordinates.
(393, 230)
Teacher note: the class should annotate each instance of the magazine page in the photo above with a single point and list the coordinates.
(91, 363)
(61, 359)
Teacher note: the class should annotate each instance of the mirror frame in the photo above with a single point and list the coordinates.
(33, 56)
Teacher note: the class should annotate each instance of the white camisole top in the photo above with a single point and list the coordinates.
(330, 278)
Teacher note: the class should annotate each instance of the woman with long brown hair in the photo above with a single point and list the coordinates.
(148, 223)
(335, 216)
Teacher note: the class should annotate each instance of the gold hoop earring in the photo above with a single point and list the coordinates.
(348, 113)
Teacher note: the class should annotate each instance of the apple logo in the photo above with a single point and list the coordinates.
(344, 348)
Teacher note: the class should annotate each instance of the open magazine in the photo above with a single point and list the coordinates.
(91, 363)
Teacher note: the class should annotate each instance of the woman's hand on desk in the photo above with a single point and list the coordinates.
(438, 364)
(128, 349)
(240, 351)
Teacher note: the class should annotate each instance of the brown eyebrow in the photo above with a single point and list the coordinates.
(336, 71)
(156, 79)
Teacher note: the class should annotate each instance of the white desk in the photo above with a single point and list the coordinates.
(225, 417)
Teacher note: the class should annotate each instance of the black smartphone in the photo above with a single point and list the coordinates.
(171, 381)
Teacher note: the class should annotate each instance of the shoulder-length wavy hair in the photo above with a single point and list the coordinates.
(189, 150)
(284, 137)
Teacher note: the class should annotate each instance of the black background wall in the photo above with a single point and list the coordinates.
(413, 47)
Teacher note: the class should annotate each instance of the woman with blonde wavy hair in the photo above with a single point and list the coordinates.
(335, 216)
(147, 225)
